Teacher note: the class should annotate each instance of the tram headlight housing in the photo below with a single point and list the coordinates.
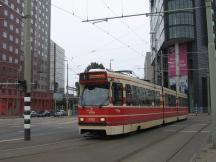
(81, 119)
(102, 119)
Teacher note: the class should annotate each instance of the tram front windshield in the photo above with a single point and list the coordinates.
(95, 95)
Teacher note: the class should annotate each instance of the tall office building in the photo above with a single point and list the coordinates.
(180, 38)
(148, 68)
(12, 57)
(57, 68)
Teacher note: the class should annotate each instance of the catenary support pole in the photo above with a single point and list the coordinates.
(177, 66)
(27, 118)
(27, 69)
(212, 67)
(162, 70)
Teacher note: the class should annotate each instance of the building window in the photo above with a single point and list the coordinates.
(4, 46)
(10, 59)
(5, 12)
(17, 30)
(12, 6)
(16, 51)
(16, 61)
(11, 27)
(16, 40)
(17, 21)
(11, 16)
(10, 48)
(4, 57)
(5, 24)
(4, 34)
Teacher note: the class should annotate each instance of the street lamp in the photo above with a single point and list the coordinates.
(67, 97)
(111, 64)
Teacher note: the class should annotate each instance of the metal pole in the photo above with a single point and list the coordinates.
(17, 94)
(27, 70)
(177, 66)
(162, 72)
(212, 67)
(67, 97)
(67, 77)
(54, 70)
(155, 71)
(111, 64)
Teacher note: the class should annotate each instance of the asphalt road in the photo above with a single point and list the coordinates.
(57, 139)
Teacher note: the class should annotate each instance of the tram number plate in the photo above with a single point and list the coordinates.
(91, 119)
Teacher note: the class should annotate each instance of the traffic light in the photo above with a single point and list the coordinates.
(56, 87)
(23, 84)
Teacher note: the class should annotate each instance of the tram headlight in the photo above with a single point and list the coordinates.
(102, 119)
(81, 119)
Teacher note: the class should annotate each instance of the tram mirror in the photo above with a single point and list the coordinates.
(90, 87)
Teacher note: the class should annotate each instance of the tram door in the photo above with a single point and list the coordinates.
(117, 98)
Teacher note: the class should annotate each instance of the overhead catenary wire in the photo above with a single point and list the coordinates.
(183, 69)
(110, 42)
(87, 9)
(101, 29)
(114, 13)
(122, 5)
(157, 13)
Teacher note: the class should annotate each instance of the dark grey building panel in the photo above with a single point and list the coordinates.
(186, 27)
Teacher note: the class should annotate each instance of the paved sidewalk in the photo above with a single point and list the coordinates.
(206, 155)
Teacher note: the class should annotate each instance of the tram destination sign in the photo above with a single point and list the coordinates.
(93, 76)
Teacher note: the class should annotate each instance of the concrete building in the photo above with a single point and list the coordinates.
(57, 68)
(148, 68)
(12, 59)
(180, 38)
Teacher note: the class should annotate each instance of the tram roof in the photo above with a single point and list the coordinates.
(131, 78)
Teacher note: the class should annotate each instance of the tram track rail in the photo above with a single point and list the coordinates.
(155, 142)
(80, 142)
(171, 157)
(45, 148)
(69, 143)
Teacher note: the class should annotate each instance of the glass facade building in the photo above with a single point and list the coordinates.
(57, 68)
(180, 24)
(177, 26)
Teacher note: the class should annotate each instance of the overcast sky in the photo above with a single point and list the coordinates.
(126, 41)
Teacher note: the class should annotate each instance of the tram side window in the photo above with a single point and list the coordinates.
(143, 98)
(170, 100)
(183, 102)
(148, 97)
(157, 98)
(128, 95)
(134, 95)
(117, 93)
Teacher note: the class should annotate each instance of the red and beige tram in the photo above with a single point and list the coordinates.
(115, 103)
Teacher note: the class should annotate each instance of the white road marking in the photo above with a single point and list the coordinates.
(10, 140)
(169, 130)
(204, 131)
(201, 124)
(192, 131)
